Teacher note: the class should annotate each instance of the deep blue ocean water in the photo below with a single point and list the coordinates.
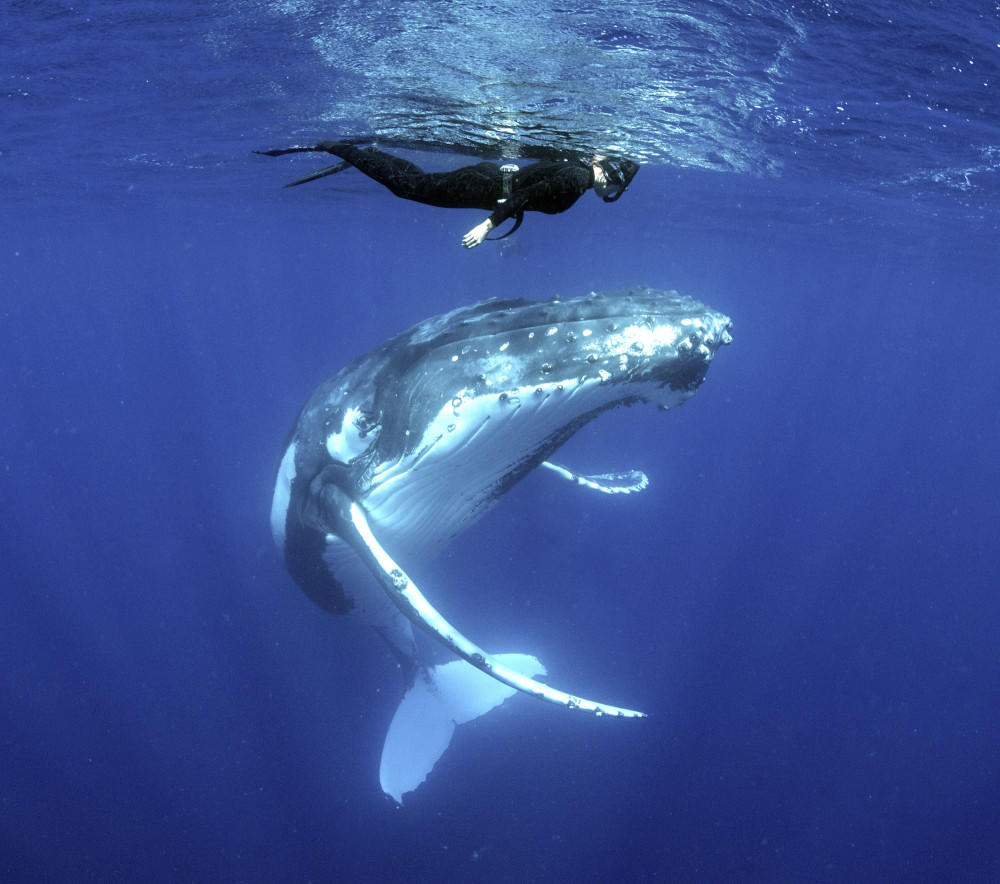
(806, 598)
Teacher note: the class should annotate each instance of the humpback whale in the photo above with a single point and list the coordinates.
(398, 452)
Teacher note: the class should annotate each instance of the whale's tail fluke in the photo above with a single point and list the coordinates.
(440, 698)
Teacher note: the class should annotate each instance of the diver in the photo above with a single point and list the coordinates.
(507, 191)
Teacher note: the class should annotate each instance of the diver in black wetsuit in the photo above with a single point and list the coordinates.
(544, 186)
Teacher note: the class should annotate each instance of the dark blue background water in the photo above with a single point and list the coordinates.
(804, 600)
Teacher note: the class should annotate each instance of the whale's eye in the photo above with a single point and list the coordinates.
(356, 435)
(364, 423)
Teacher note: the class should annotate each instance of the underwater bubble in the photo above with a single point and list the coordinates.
(551, 331)
(591, 358)
(466, 349)
(571, 336)
(611, 327)
(605, 376)
(451, 428)
(456, 402)
(546, 367)
(637, 346)
(504, 397)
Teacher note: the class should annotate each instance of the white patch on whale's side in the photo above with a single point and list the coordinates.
(282, 496)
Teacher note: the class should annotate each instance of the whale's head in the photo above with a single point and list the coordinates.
(438, 422)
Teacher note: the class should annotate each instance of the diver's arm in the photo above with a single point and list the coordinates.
(478, 233)
(508, 208)
(553, 193)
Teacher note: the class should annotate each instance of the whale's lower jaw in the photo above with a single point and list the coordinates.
(472, 454)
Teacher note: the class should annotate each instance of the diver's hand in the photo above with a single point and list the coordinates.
(478, 233)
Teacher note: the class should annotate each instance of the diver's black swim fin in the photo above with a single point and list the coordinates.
(281, 151)
(312, 176)
(322, 173)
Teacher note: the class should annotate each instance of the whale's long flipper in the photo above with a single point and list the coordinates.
(408, 598)
(627, 482)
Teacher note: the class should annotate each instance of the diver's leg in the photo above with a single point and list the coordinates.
(471, 187)
(403, 178)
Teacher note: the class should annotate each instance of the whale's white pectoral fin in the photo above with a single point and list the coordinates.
(420, 612)
(440, 698)
(626, 482)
